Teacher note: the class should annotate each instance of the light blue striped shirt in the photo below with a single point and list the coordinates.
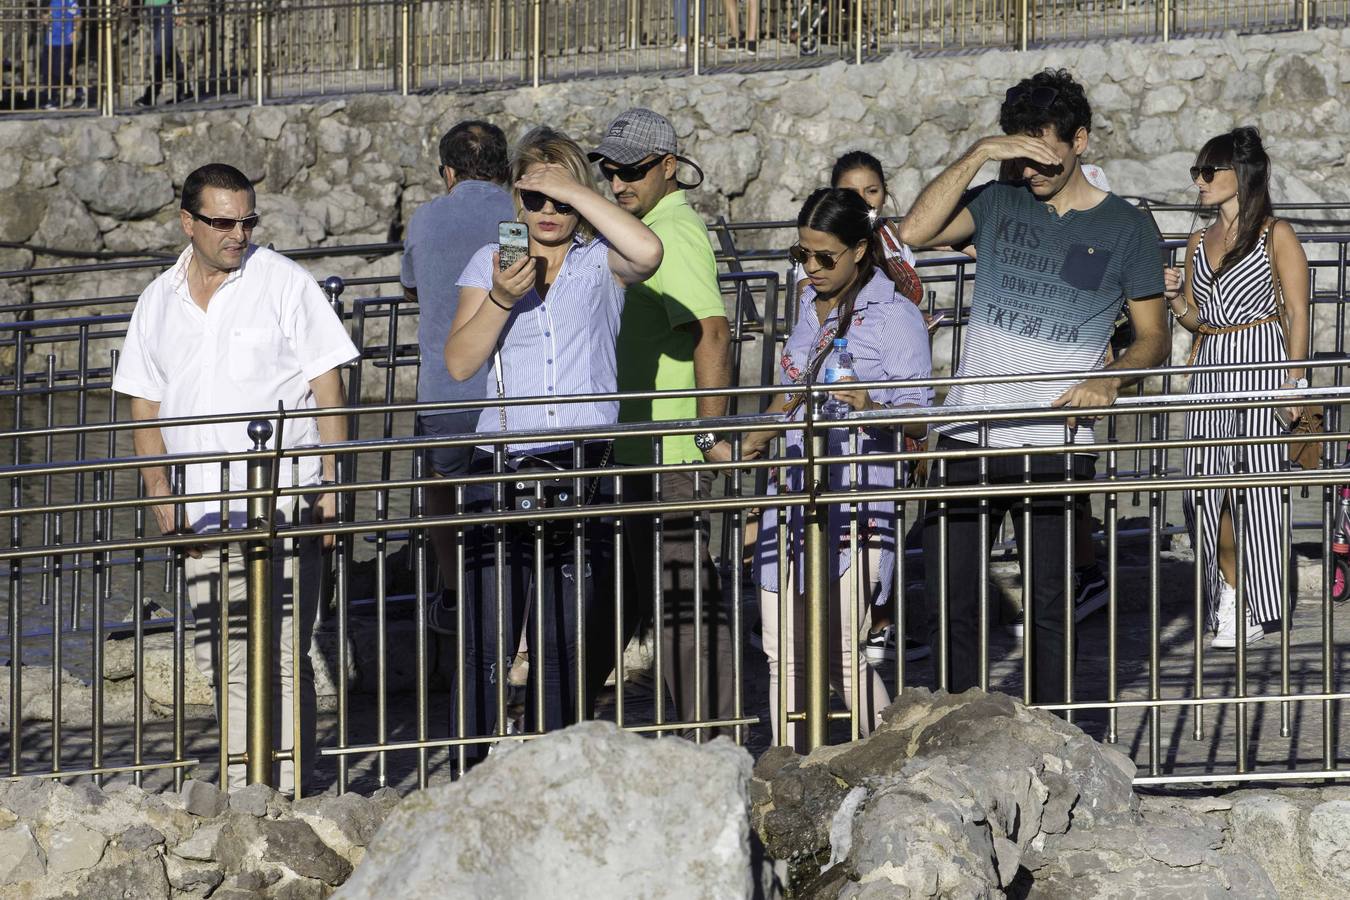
(556, 346)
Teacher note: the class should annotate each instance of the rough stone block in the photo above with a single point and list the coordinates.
(192, 879)
(21, 858)
(202, 799)
(253, 800)
(73, 847)
(139, 838)
(1329, 841)
(204, 844)
(554, 817)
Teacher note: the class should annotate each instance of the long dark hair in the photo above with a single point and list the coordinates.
(858, 159)
(1242, 149)
(845, 216)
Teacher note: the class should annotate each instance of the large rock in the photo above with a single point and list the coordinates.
(975, 795)
(119, 188)
(587, 811)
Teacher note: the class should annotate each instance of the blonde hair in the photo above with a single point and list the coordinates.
(547, 145)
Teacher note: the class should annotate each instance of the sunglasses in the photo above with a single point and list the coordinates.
(534, 202)
(628, 174)
(225, 223)
(1039, 97)
(1206, 173)
(826, 260)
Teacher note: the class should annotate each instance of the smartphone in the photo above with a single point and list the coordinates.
(513, 240)
(935, 322)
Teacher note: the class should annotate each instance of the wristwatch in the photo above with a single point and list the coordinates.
(1296, 383)
(706, 440)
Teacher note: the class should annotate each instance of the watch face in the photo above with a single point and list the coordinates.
(705, 441)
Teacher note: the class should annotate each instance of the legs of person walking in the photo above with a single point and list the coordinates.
(291, 678)
(1045, 549)
(696, 646)
(848, 620)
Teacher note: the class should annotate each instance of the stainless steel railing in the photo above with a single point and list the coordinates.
(116, 52)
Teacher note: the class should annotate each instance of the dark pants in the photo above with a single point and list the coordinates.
(538, 578)
(691, 652)
(58, 72)
(165, 57)
(1045, 607)
(445, 462)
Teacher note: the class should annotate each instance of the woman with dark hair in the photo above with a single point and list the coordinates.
(847, 297)
(1244, 294)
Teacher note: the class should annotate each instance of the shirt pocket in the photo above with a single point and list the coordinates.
(252, 354)
(1085, 266)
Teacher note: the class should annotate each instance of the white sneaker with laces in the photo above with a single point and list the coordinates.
(1225, 637)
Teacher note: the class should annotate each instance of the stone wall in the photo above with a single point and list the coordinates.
(353, 170)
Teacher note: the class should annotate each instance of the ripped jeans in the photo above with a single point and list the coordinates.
(529, 591)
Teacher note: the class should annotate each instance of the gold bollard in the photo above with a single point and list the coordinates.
(258, 562)
(817, 581)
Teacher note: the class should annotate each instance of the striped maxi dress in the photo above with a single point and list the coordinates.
(1242, 298)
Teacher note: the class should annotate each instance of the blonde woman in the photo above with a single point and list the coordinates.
(547, 325)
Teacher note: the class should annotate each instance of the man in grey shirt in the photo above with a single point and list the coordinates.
(442, 237)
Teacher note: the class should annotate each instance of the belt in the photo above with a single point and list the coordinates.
(1202, 330)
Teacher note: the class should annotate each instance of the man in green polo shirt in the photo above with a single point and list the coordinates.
(673, 336)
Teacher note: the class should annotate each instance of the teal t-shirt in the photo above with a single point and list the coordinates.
(1047, 291)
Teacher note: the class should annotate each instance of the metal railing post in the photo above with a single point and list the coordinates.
(405, 48)
(106, 69)
(1304, 8)
(258, 567)
(1023, 25)
(536, 41)
(858, 33)
(816, 579)
(259, 30)
(1166, 20)
(696, 36)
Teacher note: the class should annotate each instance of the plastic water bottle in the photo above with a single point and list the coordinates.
(839, 369)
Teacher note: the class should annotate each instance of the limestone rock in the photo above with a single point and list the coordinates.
(559, 816)
(203, 845)
(119, 188)
(138, 878)
(139, 838)
(192, 879)
(73, 847)
(202, 799)
(1329, 842)
(21, 858)
(258, 800)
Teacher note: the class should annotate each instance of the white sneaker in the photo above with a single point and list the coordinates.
(1225, 638)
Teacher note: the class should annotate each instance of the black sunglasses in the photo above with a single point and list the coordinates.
(534, 201)
(1206, 173)
(1039, 97)
(630, 173)
(225, 223)
(826, 260)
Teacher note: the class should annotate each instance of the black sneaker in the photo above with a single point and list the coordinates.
(1090, 591)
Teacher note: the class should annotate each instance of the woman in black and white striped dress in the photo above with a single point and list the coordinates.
(1228, 297)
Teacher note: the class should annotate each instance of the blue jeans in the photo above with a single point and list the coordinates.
(163, 55)
(682, 17)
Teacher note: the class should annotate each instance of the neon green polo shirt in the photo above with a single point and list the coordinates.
(655, 349)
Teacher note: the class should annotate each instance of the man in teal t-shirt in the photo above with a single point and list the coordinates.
(673, 337)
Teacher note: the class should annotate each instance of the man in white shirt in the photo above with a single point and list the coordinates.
(233, 327)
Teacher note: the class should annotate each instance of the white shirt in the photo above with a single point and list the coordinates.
(265, 334)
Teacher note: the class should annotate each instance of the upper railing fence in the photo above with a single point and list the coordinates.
(115, 55)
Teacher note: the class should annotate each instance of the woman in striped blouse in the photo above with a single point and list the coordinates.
(546, 326)
(1244, 294)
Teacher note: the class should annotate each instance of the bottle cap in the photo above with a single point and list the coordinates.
(840, 343)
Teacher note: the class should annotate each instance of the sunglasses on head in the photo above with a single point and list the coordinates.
(1206, 173)
(1039, 97)
(826, 260)
(630, 173)
(225, 223)
(534, 202)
